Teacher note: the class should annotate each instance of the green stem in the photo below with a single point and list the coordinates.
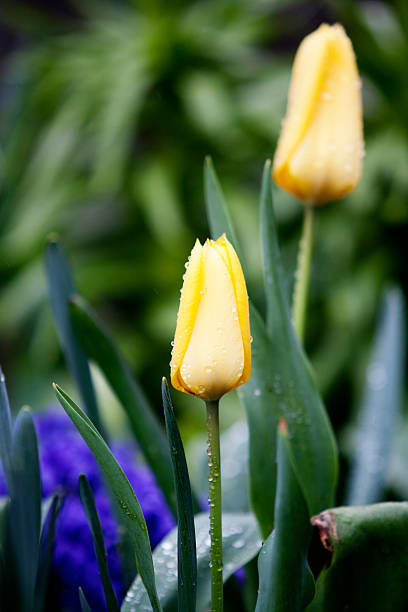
(214, 498)
(303, 273)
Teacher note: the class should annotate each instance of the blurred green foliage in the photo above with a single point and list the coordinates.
(108, 109)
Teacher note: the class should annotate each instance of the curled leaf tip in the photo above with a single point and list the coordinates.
(283, 426)
(326, 524)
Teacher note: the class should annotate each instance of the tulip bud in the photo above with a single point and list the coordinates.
(212, 352)
(320, 149)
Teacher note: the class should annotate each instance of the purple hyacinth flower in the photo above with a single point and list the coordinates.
(63, 456)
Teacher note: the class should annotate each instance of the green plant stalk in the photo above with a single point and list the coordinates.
(304, 263)
(215, 501)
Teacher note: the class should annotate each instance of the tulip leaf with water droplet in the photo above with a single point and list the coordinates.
(186, 545)
(255, 394)
(285, 580)
(241, 542)
(281, 385)
(382, 404)
(366, 548)
(149, 435)
(121, 491)
(294, 395)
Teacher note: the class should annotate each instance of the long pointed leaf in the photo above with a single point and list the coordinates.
(217, 213)
(294, 394)
(186, 544)
(88, 503)
(61, 287)
(281, 386)
(47, 536)
(382, 404)
(256, 394)
(285, 580)
(25, 507)
(121, 490)
(240, 543)
(82, 600)
(257, 398)
(145, 426)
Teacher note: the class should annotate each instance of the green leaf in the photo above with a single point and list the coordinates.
(281, 385)
(255, 394)
(240, 543)
(25, 507)
(234, 468)
(366, 548)
(186, 544)
(5, 429)
(382, 404)
(50, 511)
(145, 426)
(257, 398)
(82, 600)
(285, 580)
(61, 287)
(88, 503)
(121, 491)
(217, 212)
(290, 383)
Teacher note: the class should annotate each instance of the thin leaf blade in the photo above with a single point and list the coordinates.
(121, 490)
(217, 213)
(294, 393)
(82, 600)
(145, 426)
(61, 287)
(88, 504)
(25, 521)
(186, 543)
(285, 580)
(5, 428)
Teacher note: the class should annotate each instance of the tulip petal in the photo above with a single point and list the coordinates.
(241, 297)
(214, 360)
(189, 301)
(319, 155)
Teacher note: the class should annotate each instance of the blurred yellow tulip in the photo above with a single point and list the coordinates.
(320, 149)
(212, 352)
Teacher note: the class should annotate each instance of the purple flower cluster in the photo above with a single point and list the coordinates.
(63, 456)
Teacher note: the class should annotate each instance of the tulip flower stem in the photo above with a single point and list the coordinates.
(303, 273)
(214, 498)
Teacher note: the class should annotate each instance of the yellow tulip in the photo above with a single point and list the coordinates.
(320, 149)
(212, 352)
